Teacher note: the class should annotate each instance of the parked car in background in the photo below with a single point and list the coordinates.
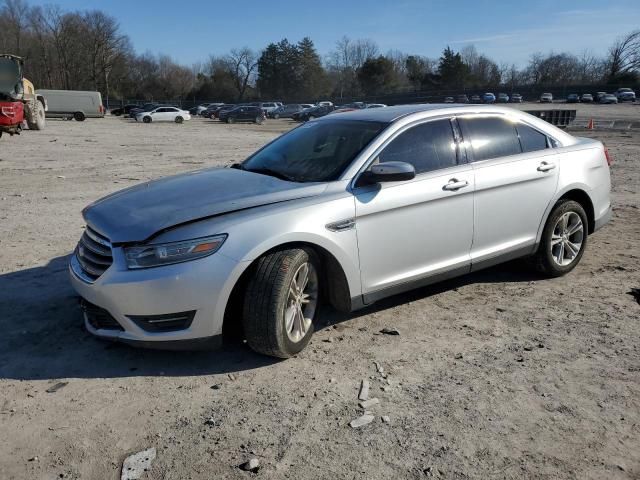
(285, 111)
(599, 95)
(516, 98)
(325, 103)
(363, 205)
(503, 98)
(462, 99)
(348, 107)
(211, 111)
(124, 110)
(449, 100)
(573, 98)
(225, 108)
(625, 95)
(243, 113)
(147, 107)
(586, 98)
(307, 105)
(163, 114)
(546, 98)
(266, 106)
(74, 104)
(608, 98)
(476, 99)
(488, 98)
(376, 105)
(311, 113)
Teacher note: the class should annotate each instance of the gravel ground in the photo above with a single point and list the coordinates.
(500, 374)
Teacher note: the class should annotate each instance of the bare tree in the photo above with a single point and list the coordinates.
(242, 64)
(624, 55)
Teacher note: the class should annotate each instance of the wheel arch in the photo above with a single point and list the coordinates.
(333, 277)
(578, 193)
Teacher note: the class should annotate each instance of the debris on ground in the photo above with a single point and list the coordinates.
(210, 421)
(232, 377)
(379, 368)
(253, 465)
(390, 331)
(361, 421)
(56, 387)
(364, 390)
(635, 293)
(369, 403)
(134, 466)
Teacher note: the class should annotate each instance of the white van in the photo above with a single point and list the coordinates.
(73, 104)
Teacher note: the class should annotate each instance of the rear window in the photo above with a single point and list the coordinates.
(490, 137)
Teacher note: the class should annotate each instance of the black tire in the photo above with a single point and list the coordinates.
(230, 120)
(117, 114)
(276, 116)
(543, 259)
(266, 300)
(179, 119)
(146, 119)
(79, 117)
(258, 120)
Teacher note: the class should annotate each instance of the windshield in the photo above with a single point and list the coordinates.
(315, 151)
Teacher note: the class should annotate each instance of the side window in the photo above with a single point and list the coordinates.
(531, 139)
(490, 137)
(429, 146)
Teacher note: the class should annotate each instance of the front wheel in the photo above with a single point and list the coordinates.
(281, 302)
(564, 239)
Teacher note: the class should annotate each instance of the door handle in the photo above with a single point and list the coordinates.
(545, 166)
(455, 184)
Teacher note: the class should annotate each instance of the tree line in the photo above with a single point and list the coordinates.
(87, 50)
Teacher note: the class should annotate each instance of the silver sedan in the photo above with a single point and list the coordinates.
(345, 210)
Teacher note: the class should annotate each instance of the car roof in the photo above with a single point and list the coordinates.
(390, 114)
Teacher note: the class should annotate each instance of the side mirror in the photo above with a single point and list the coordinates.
(387, 172)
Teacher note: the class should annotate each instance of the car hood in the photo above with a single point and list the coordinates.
(137, 213)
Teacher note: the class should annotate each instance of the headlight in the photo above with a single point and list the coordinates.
(174, 252)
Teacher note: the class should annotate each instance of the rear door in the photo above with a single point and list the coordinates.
(412, 230)
(516, 176)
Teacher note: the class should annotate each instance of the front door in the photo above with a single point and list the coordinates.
(412, 232)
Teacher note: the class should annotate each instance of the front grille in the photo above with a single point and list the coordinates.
(93, 254)
(98, 317)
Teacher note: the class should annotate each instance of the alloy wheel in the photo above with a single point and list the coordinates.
(301, 303)
(567, 239)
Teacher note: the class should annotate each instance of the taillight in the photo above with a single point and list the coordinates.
(607, 155)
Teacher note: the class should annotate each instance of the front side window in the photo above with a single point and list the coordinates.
(490, 137)
(531, 140)
(429, 146)
(314, 152)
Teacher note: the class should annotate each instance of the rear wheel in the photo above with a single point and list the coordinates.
(258, 120)
(281, 302)
(311, 117)
(276, 116)
(79, 117)
(564, 239)
(179, 119)
(230, 120)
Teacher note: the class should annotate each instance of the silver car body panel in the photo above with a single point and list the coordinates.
(386, 238)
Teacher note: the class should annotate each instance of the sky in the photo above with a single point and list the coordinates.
(507, 31)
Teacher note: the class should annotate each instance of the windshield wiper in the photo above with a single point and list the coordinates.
(271, 173)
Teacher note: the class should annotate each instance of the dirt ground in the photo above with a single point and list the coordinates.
(500, 374)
